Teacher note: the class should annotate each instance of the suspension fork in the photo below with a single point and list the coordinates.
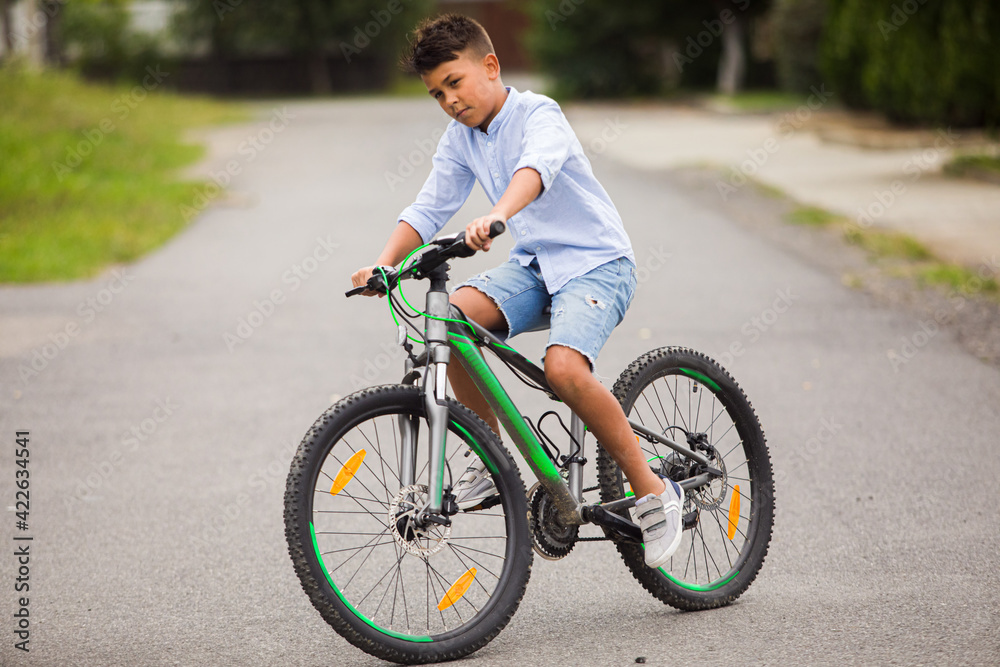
(436, 384)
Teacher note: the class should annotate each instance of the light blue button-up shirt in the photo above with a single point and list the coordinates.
(572, 227)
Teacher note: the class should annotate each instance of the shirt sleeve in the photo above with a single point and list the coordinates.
(445, 190)
(548, 139)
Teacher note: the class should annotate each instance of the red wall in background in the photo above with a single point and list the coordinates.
(503, 21)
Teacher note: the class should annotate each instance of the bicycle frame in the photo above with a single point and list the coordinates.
(445, 338)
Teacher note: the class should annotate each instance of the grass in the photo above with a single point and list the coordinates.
(811, 216)
(761, 100)
(899, 255)
(984, 167)
(959, 279)
(88, 176)
(886, 244)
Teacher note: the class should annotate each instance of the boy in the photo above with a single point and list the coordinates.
(571, 251)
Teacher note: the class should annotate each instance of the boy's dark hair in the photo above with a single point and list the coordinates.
(440, 39)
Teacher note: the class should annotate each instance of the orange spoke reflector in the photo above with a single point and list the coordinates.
(734, 511)
(457, 589)
(346, 473)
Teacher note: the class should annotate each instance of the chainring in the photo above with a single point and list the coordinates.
(549, 538)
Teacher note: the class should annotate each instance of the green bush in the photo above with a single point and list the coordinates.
(918, 61)
(98, 38)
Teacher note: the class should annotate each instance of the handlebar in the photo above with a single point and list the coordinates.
(449, 247)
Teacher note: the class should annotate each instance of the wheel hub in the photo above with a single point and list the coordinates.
(711, 495)
(419, 540)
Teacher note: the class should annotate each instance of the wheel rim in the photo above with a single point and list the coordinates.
(416, 585)
(707, 557)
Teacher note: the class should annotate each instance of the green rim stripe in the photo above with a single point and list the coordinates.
(719, 583)
(476, 448)
(701, 377)
(329, 579)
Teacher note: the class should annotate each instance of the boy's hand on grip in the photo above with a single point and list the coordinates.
(361, 277)
(477, 232)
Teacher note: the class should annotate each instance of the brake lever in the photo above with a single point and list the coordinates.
(375, 283)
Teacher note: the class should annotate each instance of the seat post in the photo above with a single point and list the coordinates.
(578, 431)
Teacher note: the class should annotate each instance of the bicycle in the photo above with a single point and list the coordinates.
(396, 568)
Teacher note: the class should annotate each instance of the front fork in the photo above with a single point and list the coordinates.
(435, 385)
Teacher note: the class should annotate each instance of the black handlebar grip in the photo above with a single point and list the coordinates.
(497, 228)
(355, 291)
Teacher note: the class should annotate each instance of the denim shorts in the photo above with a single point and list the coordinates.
(583, 312)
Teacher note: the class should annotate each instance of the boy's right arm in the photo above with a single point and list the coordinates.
(403, 240)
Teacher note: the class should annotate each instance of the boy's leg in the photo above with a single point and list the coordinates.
(568, 373)
(479, 307)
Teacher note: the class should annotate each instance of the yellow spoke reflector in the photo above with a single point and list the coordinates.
(734, 511)
(457, 590)
(346, 473)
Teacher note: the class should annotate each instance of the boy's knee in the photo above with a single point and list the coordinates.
(565, 368)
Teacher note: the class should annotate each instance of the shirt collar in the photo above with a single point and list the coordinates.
(498, 120)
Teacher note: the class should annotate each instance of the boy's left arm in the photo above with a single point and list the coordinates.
(524, 188)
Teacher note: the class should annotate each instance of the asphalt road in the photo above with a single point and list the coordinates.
(162, 428)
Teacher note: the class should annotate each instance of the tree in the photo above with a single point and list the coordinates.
(606, 48)
(927, 61)
(310, 29)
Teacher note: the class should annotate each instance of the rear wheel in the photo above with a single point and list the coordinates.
(398, 591)
(688, 397)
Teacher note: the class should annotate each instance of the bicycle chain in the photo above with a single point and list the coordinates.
(593, 539)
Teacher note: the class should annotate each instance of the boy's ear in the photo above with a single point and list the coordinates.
(492, 65)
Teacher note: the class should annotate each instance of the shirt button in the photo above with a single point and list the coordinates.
(489, 143)
(496, 174)
(523, 232)
(538, 247)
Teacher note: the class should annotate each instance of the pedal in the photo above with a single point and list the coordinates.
(690, 520)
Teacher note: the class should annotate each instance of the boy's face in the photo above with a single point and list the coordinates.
(466, 88)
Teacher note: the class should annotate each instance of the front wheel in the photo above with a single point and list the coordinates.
(396, 590)
(687, 397)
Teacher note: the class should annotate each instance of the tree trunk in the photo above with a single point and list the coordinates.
(732, 63)
(53, 47)
(6, 28)
(319, 72)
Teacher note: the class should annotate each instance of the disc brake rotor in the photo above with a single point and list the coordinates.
(422, 541)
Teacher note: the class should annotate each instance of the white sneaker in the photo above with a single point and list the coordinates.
(662, 523)
(475, 486)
